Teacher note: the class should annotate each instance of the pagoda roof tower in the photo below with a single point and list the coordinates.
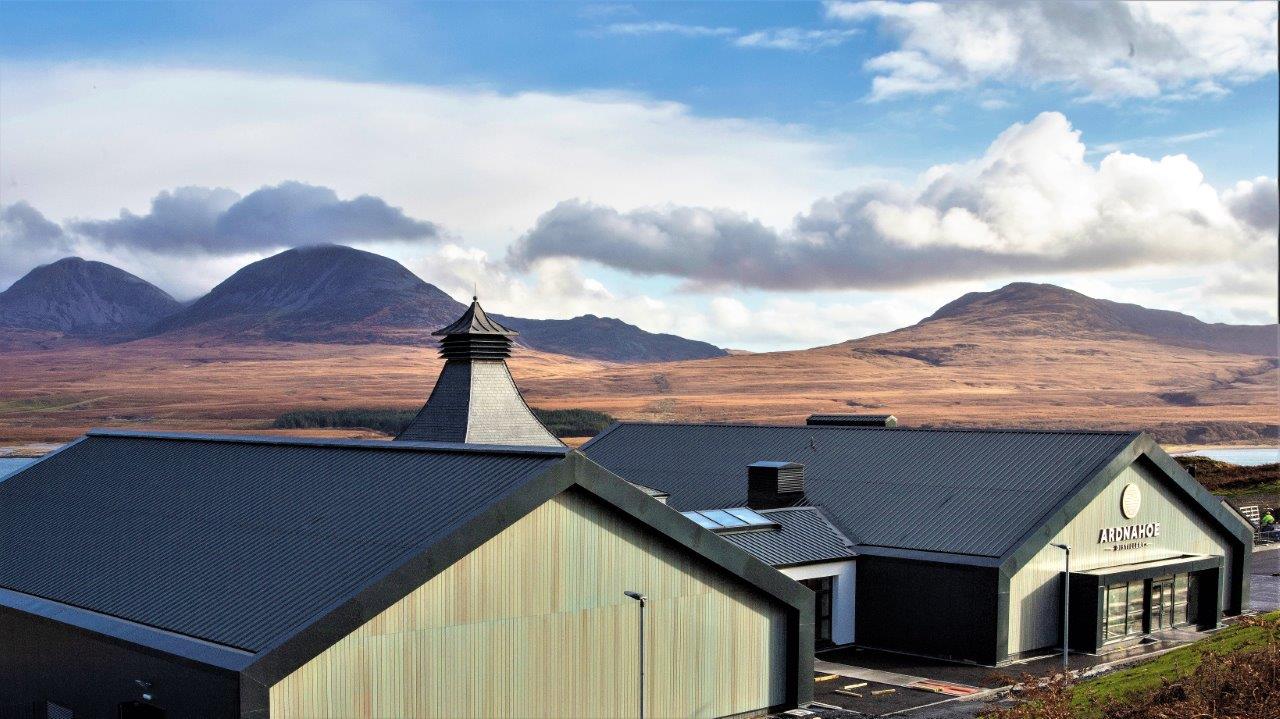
(475, 399)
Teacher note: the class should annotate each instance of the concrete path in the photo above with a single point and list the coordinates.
(906, 681)
(869, 675)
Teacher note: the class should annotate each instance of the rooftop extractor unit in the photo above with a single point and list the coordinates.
(774, 484)
(852, 420)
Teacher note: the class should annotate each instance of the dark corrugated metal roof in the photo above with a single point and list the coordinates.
(941, 490)
(805, 537)
(237, 540)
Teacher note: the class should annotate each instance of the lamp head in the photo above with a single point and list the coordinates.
(1063, 547)
(636, 596)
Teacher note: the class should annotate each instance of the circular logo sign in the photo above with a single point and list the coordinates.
(1130, 501)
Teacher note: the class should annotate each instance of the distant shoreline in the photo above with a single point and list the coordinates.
(32, 450)
(1176, 449)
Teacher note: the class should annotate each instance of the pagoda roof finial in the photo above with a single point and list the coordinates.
(475, 322)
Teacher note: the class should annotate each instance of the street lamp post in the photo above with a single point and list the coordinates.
(1066, 601)
(641, 599)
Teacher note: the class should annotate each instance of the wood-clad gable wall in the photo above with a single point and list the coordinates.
(1035, 592)
(533, 623)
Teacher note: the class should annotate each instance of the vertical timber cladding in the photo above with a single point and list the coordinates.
(533, 623)
(1035, 590)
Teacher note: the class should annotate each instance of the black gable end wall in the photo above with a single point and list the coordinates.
(44, 661)
(929, 608)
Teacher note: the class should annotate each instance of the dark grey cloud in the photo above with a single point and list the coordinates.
(202, 220)
(1030, 204)
(836, 245)
(24, 223)
(27, 239)
(1256, 204)
(181, 220)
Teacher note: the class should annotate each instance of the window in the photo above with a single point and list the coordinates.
(1117, 601)
(1182, 611)
(1137, 603)
(1162, 612)
(723, 518)
(1124, 610)
(732, 519)
(822, 591)
(1193, 598)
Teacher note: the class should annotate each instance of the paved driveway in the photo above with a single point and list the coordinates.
(1264, 590)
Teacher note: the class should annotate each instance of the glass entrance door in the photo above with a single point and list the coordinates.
(1162, 596)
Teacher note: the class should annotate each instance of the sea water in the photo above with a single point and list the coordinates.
(1244, 456)
(9, 465)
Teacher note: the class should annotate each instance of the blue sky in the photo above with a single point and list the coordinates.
(692, 136)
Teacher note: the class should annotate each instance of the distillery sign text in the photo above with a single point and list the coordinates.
(1133, 534)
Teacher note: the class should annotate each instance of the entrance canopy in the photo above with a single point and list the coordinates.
(1144, 570)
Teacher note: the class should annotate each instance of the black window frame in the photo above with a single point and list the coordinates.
(823, 608)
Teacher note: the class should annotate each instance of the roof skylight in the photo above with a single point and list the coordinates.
(732, 519)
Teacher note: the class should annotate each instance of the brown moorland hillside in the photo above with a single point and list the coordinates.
(991, 366)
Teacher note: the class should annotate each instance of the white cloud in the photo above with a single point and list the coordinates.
(1107, 148)
(555, 289)
(1101, 50)
(1031, 204)
(795, 38)
(558, 288)
(666, 28)
(86, 141)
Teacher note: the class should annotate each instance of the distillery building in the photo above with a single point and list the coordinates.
(948, 543)
(461, 571)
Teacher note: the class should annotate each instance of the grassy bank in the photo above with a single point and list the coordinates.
(1180, 663)
(561, 422)
(1231, 674)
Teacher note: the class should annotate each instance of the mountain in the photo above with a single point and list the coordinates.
(1040, 309)
(82, 298)
(607, 338)
(330, 293)
(1021, 356)
(323, 293)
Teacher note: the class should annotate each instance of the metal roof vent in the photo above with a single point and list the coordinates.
(774, 484)
(852, 420)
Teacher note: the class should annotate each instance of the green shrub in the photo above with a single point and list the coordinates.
(387, 421)
(573, 422)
